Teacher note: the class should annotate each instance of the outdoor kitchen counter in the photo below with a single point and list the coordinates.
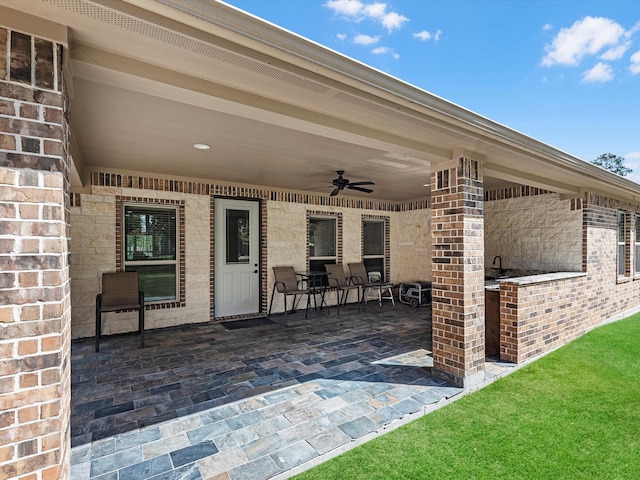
(494, 284)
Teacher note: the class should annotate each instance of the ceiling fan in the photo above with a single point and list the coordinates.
(341, 183)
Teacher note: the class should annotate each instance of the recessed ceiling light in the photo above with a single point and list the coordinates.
(201, 146)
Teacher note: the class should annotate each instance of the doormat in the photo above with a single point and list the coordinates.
(247, 323)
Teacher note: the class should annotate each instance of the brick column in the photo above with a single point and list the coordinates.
(458, 270)
(35, 320)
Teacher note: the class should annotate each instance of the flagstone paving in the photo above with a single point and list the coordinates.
(202, 402)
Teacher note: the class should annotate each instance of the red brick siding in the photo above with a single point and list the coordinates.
(35, 334)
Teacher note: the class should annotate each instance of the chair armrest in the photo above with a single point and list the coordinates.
(284, 287)
(356, 280)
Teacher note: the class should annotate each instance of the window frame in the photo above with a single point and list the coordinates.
(175, 262)
(623, 265)
(325, 258)
(637, 245)
(386, 255)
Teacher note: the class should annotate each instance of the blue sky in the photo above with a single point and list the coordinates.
(564, 72)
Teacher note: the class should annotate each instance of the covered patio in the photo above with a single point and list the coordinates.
(255, 402)
(160, 137)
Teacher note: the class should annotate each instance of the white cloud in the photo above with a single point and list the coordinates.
(393, 20)
(348, 8)
(366, 39)
(380, 50)
(385, 51)
(341, 36)
(587, 36)
(425, 35)
(375, 10)
(632, 161)
(635, 63)
(615, 53)
(601, 73)
(356, 10)
(547, 27)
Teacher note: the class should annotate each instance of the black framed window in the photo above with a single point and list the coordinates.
(150, 248)
(323, 245)
(373, 246)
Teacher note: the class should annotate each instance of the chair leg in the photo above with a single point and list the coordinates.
(98, 321)
(273, 292)
(98, 329)
(141, 321)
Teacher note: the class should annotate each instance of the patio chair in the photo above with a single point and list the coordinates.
(287, 283)
(120, 293)
(359, 276)
(339, 281)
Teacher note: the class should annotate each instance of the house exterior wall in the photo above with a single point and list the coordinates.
(284, 216)
(35, 327)
(534, 232)
(93, 251)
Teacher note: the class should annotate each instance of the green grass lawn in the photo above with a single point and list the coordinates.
(573, 414)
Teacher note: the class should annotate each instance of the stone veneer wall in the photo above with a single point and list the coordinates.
(537, 232)
(284, 231)
(93, 251)
(411, 249)
(35, 327)
(287, 237)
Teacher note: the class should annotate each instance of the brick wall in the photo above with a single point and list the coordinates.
(540, 317)
(34, 278)
(458, 272)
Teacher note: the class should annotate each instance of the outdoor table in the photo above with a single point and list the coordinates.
(316, 284)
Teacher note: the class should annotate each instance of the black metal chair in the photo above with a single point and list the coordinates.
(120, 293)
(287, 283)
(359, 276)
(339, 281)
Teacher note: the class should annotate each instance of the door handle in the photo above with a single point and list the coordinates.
(255, 271)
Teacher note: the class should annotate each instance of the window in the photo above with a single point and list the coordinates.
(622, 246)
(373, 246)
(637, 252)
(322, 242)
(150, 248)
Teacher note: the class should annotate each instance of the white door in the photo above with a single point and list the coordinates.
(237, 277)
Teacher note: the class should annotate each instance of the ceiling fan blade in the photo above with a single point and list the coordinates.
(362, 183)
(360, 189)
(335, 192)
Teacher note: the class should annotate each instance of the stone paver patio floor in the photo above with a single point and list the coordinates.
(204, 402)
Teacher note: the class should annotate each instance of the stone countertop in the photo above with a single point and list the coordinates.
(494, 284)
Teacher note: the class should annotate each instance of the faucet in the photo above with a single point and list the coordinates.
(498, 257)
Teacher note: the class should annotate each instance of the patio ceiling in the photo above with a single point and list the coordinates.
(151, 79)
